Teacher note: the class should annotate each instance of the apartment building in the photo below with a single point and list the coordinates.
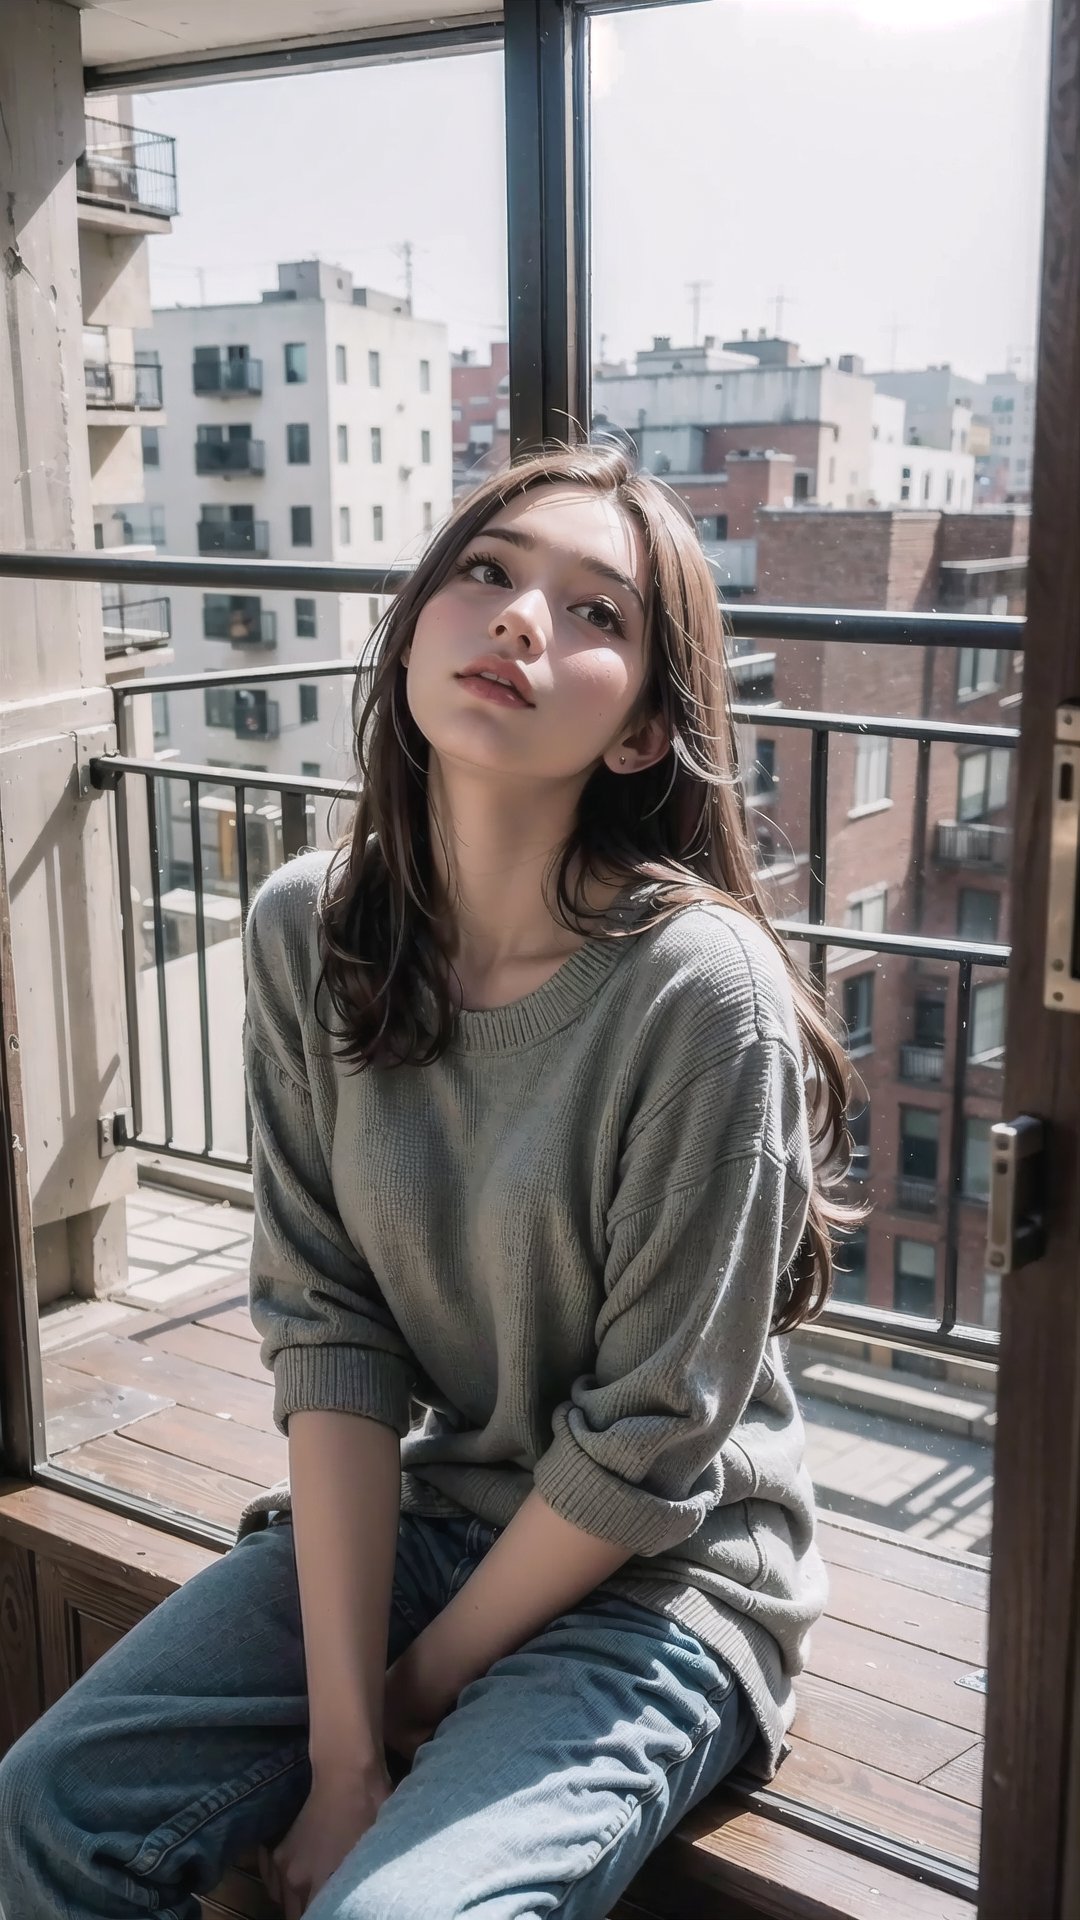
(993, 419)
(125, 191)
(313, 424)
(480, 410)
(918, 843)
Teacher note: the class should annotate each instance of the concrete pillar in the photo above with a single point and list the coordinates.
(55, 707)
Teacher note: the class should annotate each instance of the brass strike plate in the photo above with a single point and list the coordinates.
(1061, 985)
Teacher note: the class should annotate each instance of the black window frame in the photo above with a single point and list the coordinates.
(297, 435)
(293, 540)
(310, 607)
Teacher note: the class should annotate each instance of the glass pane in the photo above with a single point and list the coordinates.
(848, 413)
(307, 337)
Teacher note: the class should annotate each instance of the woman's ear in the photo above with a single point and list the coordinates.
(640, 749)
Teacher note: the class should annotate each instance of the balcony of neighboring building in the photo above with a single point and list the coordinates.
(227, 453)
(972, 843)
(239, 534)
(240, 619)
(125, 178)
(226, 371)
(133, 625)
(118, 391)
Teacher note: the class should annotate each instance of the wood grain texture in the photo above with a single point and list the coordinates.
(21, 1693)
(190, 1383)
(873, 1731)
(1033, 1610)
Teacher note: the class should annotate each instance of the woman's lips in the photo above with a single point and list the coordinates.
(492, 690)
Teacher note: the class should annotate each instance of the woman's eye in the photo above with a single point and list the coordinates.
(482, 570)
(610, 618)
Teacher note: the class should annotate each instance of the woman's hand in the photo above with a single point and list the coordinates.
(340, 1808)
(408, 1720)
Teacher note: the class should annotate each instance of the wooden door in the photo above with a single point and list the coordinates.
(1033, 1725)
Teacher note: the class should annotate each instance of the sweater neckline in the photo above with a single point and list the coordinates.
(561, 997)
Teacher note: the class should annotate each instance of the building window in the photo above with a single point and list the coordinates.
(376, 446)
(312, 767)
(376, 523)
(849, 1271)
(427, 520)
(977, 915)
(425, 447)
(295, 362)
(309, 705)
(975, 1175)
(929, 1021)
(373, 370)
(981, 670)
(800, 490)
(867, 912)
(341, 366)
(344, 526)
(220, 706)
(948, 487)
(425, 376)
(926, 489)
(915, 1278)
(306, 622)
(151, 447)
(987, 1033)
(872, 763)
(984, 783)
(160, 704)
(343, 446)
(764, 778)
(859, 1012)
(300, 519)
(919, 1130)
(858, 1125)
(298, 445)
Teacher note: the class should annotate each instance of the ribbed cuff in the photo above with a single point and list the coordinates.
(323, 1379)
(591, 1497)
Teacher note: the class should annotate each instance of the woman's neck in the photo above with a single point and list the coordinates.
(492, 853)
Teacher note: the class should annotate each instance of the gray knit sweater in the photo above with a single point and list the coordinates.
(549, 1259)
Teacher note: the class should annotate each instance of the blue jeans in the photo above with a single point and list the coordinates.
(185, 1747)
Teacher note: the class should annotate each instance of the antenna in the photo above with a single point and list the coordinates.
(405, 253)
(895, 330)
(781, 300)
(695, 288)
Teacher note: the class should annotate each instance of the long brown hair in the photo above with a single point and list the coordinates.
(681, 823)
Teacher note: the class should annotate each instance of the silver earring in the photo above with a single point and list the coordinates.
(622, 759)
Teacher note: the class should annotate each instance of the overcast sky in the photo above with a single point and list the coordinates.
(878, 162)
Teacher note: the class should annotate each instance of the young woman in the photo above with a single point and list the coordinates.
(544, 1130)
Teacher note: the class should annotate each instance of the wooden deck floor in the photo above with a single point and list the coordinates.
(172, 1402)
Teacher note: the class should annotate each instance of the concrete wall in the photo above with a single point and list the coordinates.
(55, 707)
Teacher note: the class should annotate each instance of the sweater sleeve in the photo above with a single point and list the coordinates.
(327, 1334)
(709, 1211)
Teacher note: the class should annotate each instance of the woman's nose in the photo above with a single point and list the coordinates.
(525, 619)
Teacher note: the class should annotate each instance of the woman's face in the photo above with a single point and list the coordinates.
(551, 591)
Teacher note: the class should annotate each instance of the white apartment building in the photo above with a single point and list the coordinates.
(311, 425)
(940, 404)
(1009, 407)
(125, 191)
(907, 475)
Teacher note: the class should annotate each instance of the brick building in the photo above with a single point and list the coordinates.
(917, 843)
(480, 413)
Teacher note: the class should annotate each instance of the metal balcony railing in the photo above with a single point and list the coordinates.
(915, 1195)
(971, 843)
(250, 625)
(227, 376)
(922, 1063)
(230, 456)
(127, 167)
(110, 383)
(142, 790)
(142, 624)
(234, 536)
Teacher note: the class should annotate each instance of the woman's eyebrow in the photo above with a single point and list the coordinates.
(528, 540)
